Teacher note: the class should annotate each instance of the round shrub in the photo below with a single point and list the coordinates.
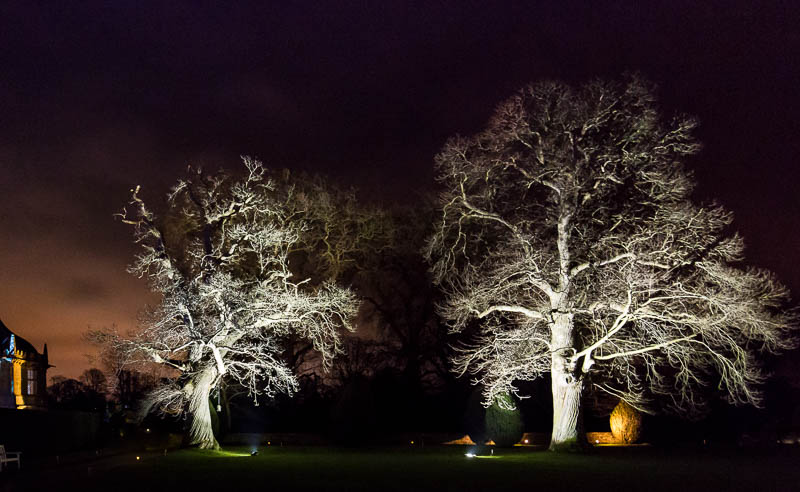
(503, 426)
(626, 423)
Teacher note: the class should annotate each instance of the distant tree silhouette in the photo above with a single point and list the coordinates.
(71, 394)
(95, 380)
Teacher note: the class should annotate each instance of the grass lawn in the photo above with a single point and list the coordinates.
(431, 468)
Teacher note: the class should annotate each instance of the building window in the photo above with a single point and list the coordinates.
(31, 381)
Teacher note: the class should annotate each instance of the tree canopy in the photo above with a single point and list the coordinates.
(569, 238)
(242, 265)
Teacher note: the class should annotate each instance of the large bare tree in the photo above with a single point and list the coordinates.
(243, 267)
(569, 241)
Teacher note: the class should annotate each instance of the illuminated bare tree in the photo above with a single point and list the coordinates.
(568, 236)
(242, 265)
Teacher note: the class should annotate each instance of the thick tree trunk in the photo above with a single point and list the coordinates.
(201, 432)
(568, 433)
(567, 386)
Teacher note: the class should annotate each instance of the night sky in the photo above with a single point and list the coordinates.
(98, 97)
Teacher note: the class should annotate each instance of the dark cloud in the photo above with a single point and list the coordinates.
(86, 290)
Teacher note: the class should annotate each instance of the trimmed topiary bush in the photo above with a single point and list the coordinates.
(626, 423)
(503, 426)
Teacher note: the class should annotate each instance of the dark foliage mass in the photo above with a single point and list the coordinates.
(87, 394)
(504, 423)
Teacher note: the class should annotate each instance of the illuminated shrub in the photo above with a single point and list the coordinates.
(626, 423)
(503, 426)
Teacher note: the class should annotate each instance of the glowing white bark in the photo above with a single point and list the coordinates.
(201, 433)
(567, 388)
(567, 432)
(568, 233)
(230, 298)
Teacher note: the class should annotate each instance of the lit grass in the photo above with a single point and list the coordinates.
(430, 468)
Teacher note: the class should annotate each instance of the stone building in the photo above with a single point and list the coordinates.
(23, 372)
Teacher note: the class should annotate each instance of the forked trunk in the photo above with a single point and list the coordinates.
(201, 432)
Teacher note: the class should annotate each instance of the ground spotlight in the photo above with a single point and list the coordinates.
(253, 452)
